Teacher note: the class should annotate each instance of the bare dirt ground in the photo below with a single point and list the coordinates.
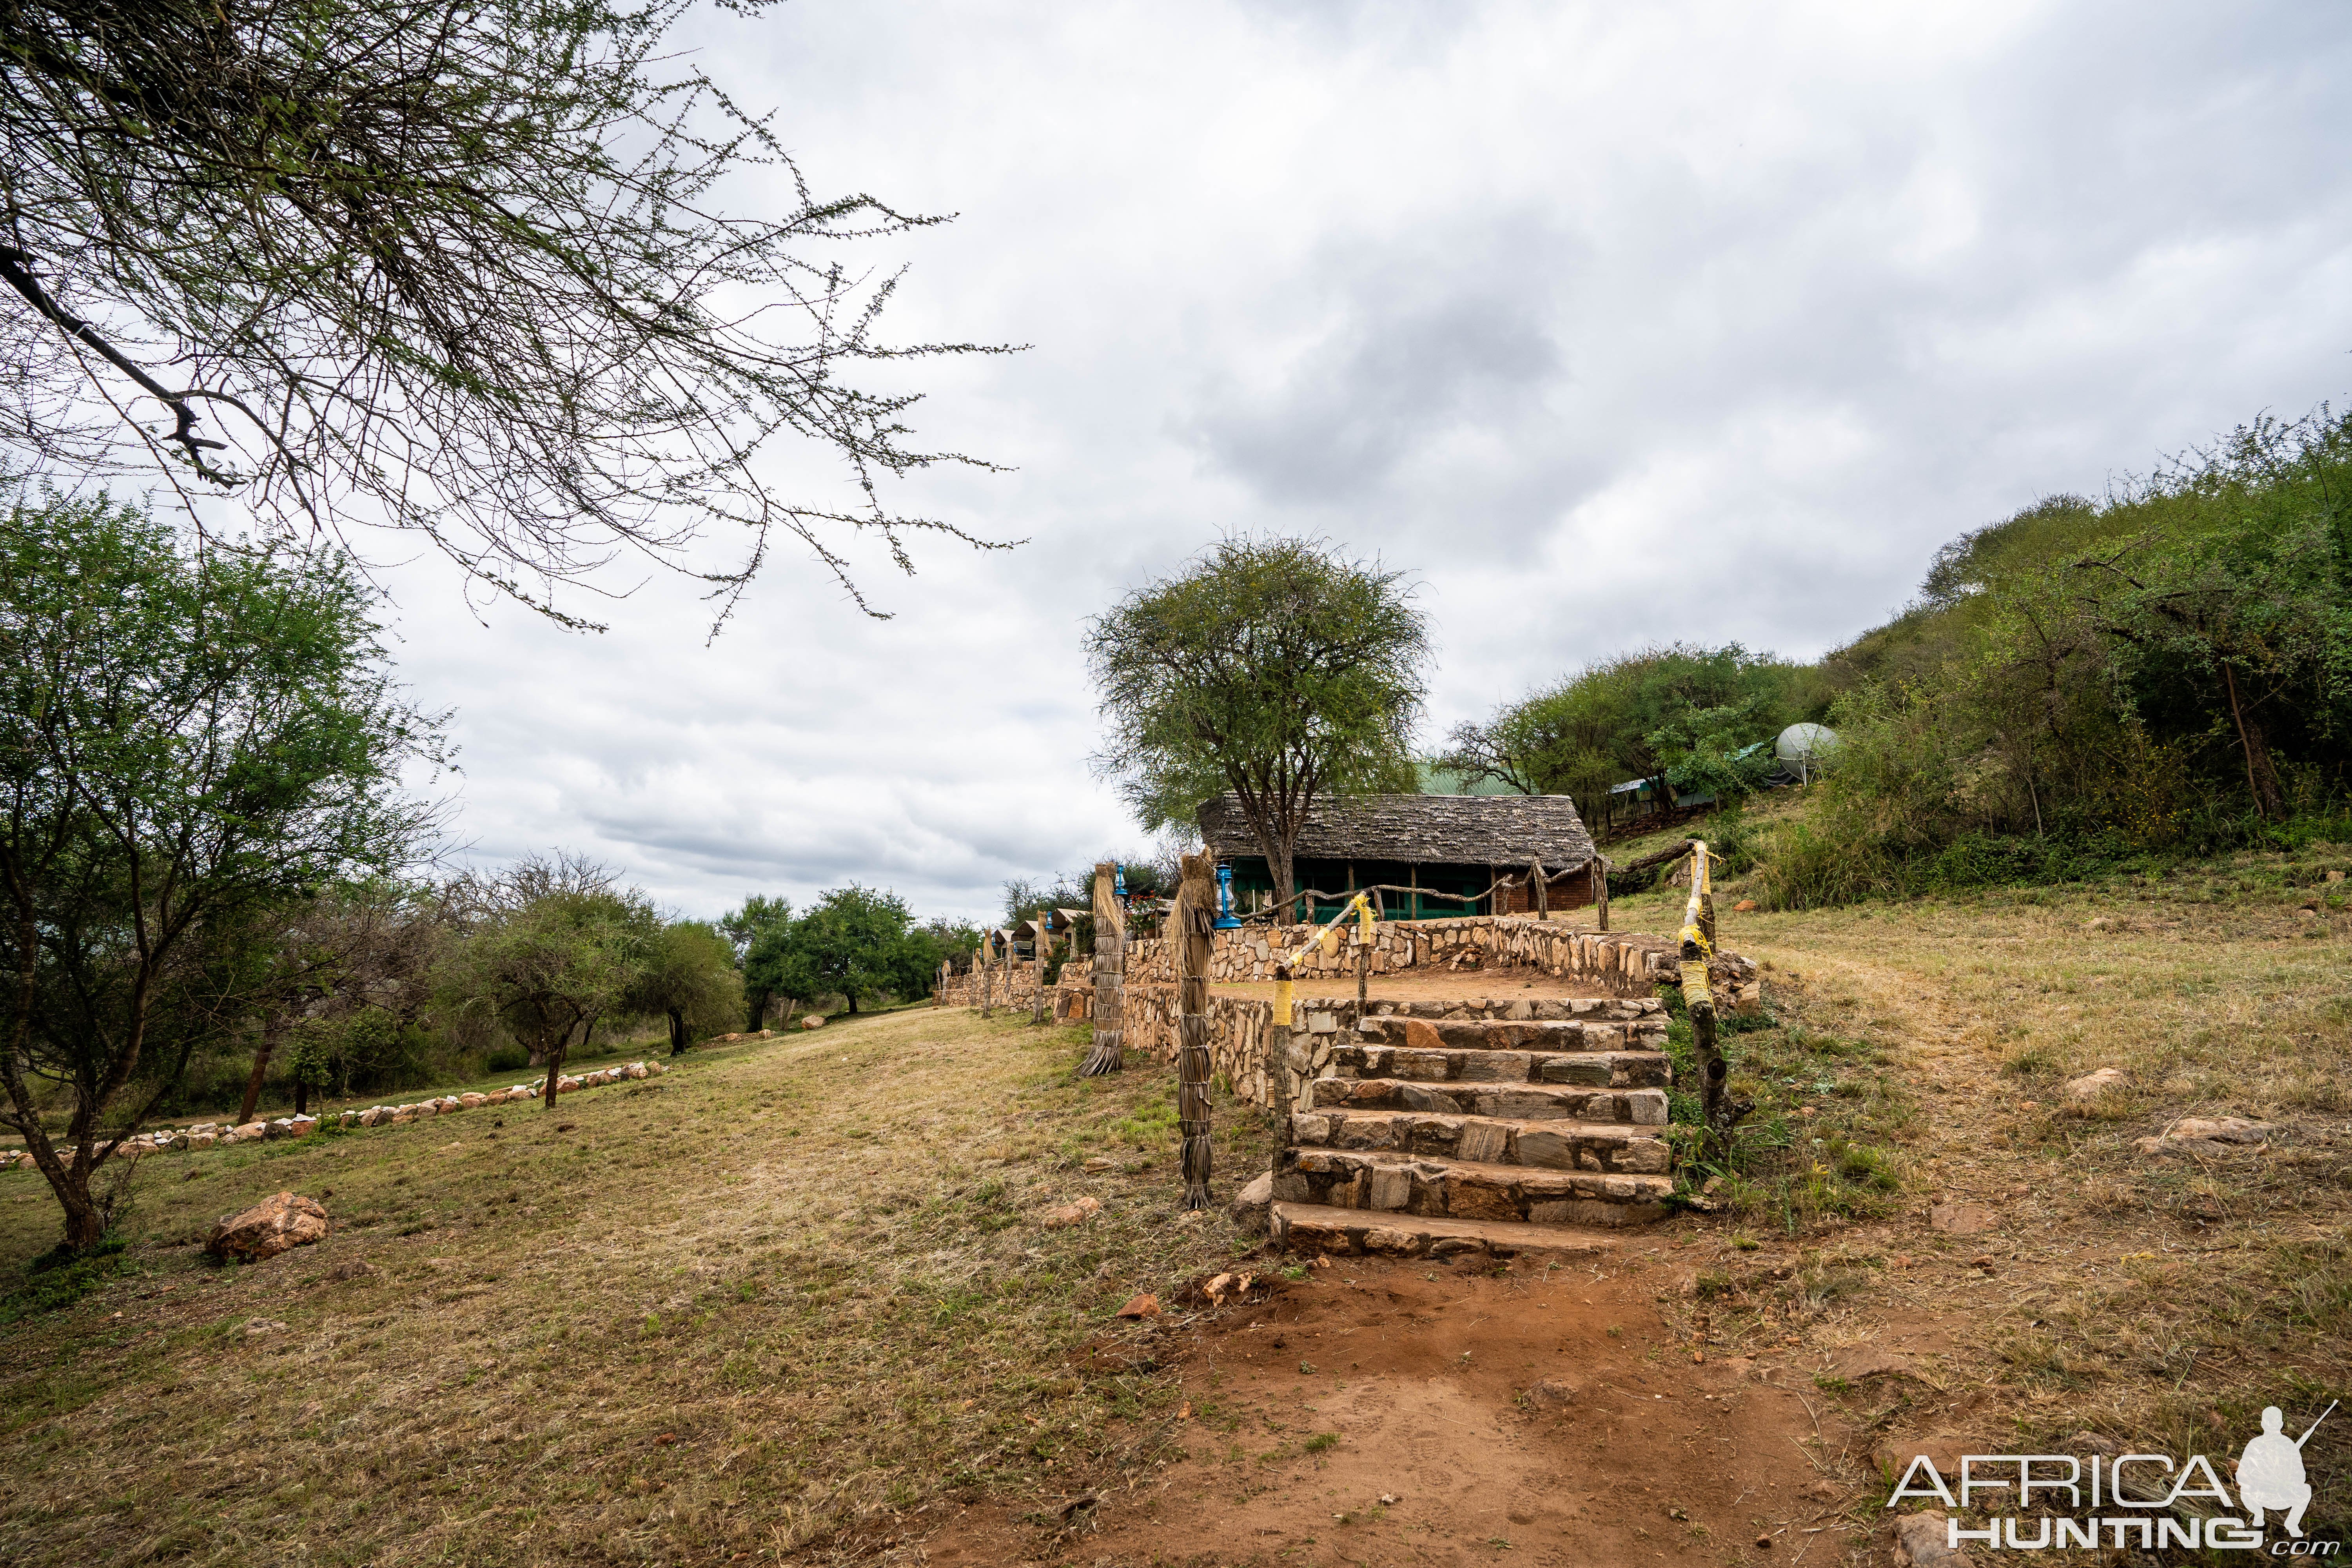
(1379, 1412)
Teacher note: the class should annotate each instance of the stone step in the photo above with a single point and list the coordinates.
(1498, 1065)
(1629, 1148)
(1462, 1189)
(1510, 1101)
(1647, 1033)
(1311, 1228)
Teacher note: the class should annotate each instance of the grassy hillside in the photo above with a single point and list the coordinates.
(795, 1287)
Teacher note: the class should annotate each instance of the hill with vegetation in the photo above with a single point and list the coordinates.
(2087, 685)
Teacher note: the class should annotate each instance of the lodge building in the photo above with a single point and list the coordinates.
(1447, 850)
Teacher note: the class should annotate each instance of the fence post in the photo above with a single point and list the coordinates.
(1601, 888)
(1543, 890)
(1196, 901)
(1697, 947)
(1110, 944)
(984, 961)
(1037, 1015)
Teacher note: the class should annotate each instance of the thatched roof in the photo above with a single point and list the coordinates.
(1425, 829)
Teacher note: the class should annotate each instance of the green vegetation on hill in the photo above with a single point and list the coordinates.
(2084, 686)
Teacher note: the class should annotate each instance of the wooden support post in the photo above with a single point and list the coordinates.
(1278, 1052)
(1110, 944)
(1196, 913)
(1697, 947)
(1039, 951)
(1543, 890)
(1363, 959)
(1601, 888)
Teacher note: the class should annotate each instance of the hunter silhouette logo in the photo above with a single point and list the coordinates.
(2131, 1500)
(2269, 1472)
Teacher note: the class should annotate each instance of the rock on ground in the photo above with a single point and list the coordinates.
(2208, 1136)
(1961, 1219)
(1924, 1541)
(1255, 1203)
(277, 1224)
(1072, 1213)
(2092, 1085)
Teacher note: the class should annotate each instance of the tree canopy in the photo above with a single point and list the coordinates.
(191, 742)
(548, 947)
(1680, 713)
(457, 269)
(1281, 671)
(855, 942)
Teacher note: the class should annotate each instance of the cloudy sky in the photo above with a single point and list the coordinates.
(1613, 325)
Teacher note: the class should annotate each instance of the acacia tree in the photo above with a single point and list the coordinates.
(454, 266)
(548, 947)
(688, 978)
(1280, 670)
(333, 955)
(190, 742)
(855, 940)
(743, 928)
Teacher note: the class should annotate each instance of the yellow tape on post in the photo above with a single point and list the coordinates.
(1282, 1002)
(1364, 920)
(1695, 989)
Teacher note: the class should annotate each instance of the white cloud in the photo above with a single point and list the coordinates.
(1617, 324)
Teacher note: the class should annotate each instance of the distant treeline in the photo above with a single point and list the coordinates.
(2167, 671)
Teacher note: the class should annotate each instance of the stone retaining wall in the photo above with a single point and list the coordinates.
(1618, 964)
(207, 1134)
(1623, 963)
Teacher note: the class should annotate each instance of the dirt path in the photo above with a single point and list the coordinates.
(1381, 1413)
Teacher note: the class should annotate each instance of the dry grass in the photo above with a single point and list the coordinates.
(2156, 1299)
(772, 1305)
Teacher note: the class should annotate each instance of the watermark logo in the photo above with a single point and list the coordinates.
(2142, 1492)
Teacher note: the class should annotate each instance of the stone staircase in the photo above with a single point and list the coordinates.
(1435, 1128)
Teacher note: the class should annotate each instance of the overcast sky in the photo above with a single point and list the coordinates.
(1612, 324)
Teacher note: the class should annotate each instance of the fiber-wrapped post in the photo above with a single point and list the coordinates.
(1111, 954)
(1697, 947)
(1196, 913)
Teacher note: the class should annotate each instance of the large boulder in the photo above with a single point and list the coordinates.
(277, 1224)
(814, 1021)
(471, 1100)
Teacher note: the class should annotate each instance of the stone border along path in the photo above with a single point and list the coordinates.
(204, 1134)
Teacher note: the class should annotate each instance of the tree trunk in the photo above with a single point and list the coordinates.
(302, 1098)
(758, 1001)
(852, 995)
(554, 1049)
(85, 1225)
(2261, 777)
(272, 1027)
(1196, 900)
(678, 1032)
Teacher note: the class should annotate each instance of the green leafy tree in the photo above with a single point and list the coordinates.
(458, 268)
(1280, 670)
(688, 978)
(1678, 714)
(549, 947)
(743, 928)
(856, 941)
(191, 740)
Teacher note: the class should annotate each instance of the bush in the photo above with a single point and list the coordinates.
(507, 1059)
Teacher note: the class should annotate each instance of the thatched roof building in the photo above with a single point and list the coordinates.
(1447, 849)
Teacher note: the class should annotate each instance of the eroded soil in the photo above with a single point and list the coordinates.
(1380, 1413)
